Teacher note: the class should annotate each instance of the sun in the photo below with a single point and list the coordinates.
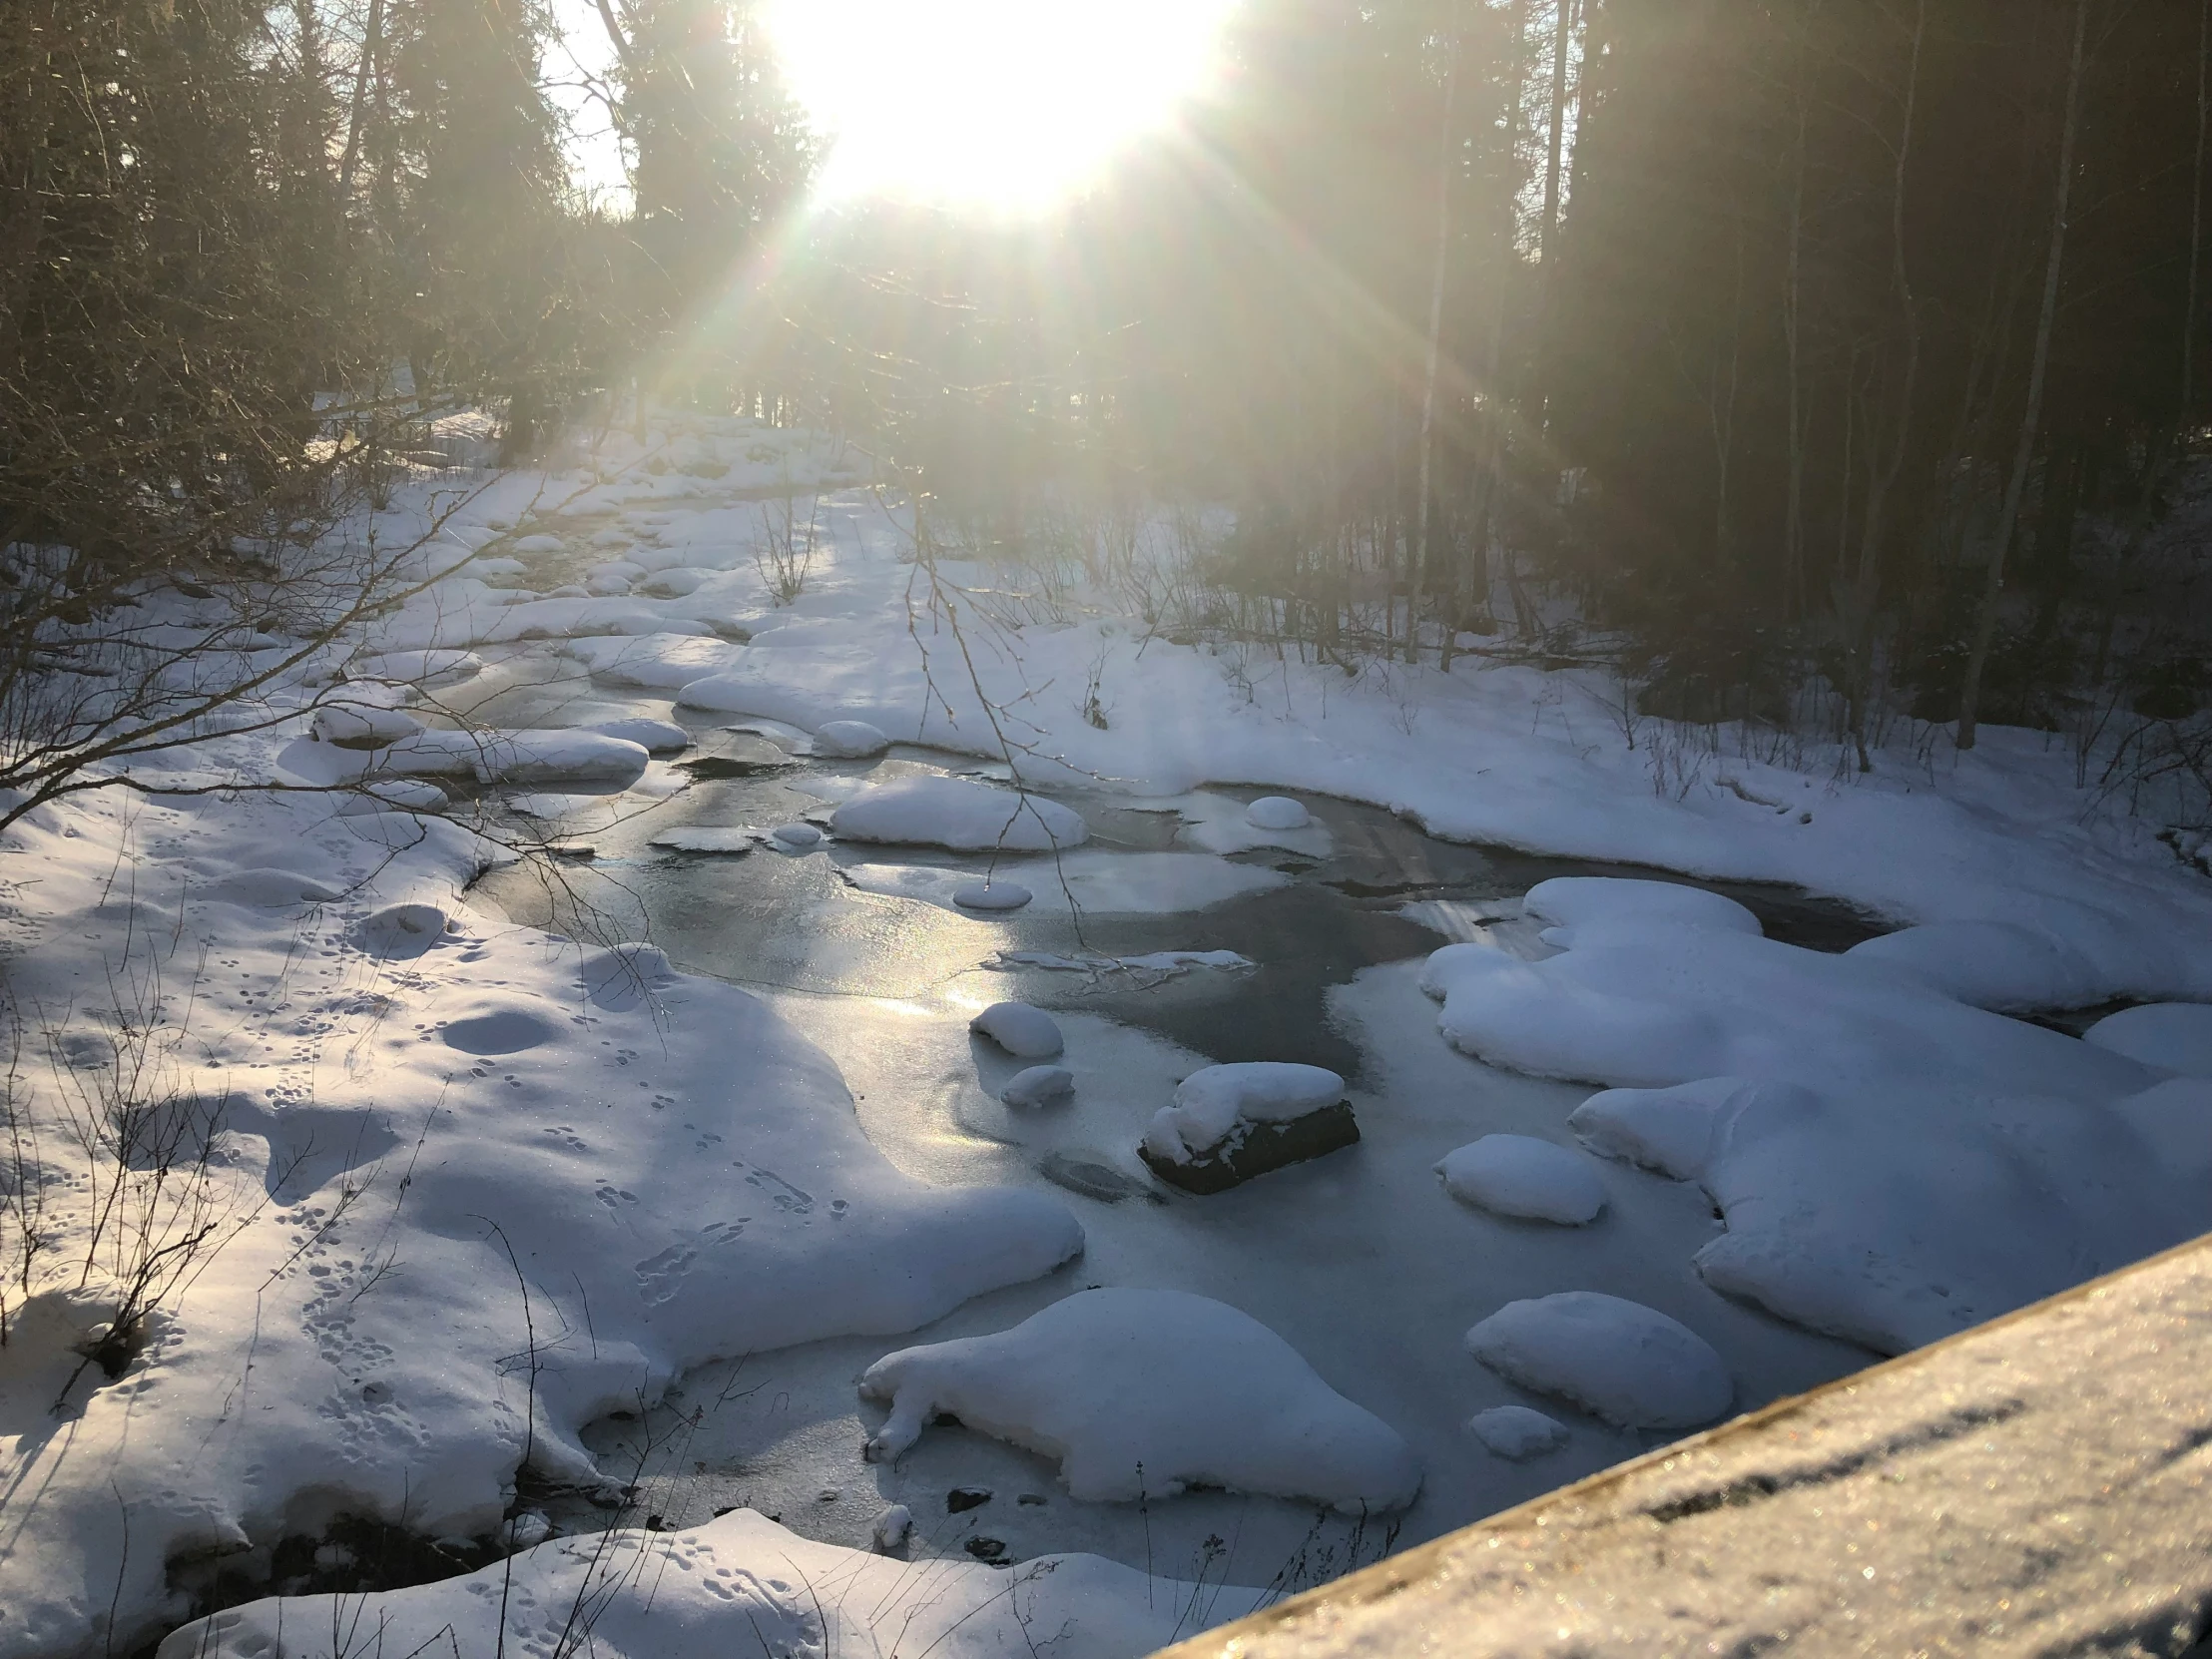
(1005, 105)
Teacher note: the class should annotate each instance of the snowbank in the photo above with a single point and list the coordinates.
(739, 1587)
(2174, 1036)
(1144, 1392)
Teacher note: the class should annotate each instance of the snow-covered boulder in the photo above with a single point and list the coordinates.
(2174, 1036)
(665, 661)
(525, 757)
(1276, 812)
(1026, 1033)
(362, 725)
(1038, 1086)
(1230, 1123)
(1144, 1392)
(1515, 1433)
(850, 739)
(1520, 1176)
(954, 813)
(1620, 1360)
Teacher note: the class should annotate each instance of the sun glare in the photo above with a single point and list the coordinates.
(1008, 104)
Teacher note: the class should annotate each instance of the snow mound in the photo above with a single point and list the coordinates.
(1518, 1175)
(850, 739)
(2000, 966)
(417, 668)
(1515, 1433)
(1026, 1033)
(623, 975)
(499, 757)
(795, 838)
(736, 1587)
(362, 725)
(1630, 1364)
(1038, 1086)
(2174, 1036)
(1276, 812)
(963, 816)
(1221, 824)
(1211, 1104)
(654, 662)
(399, 932)
(655, 737)
(705, 838)
(1145, 1392)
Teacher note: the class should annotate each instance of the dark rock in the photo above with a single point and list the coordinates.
(986, 1549)
(1256, 1148)
(963, 1498)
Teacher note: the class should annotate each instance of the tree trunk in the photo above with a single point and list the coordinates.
(372, 36)
(1492, 469)
(1422, 514)
(1993, 593)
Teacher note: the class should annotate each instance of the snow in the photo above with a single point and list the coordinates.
(991, 895)
(2174, 1036)
(1038, 1086)
(1219, 823)
(1517, 1432)
(956, 813)
(1026, 1033)
(1140, 1393)
(795, 838)
(1210, 1104)
(850, 739)
(1619, 1361)
(490, 755)
(1518, 1175)
(736, 1587)
(362, 725)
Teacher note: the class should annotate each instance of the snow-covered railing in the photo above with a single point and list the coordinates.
(2042, 1483)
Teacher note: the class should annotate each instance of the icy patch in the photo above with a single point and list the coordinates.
(850, 739)
(1211, 1104)
(1517, 1432)
(740, 1585)
(954, 813)
(1518, 1175)
(1156, 964)
(1100, 883)
(1145, 1392)
(1629, 1365)
(2174, 1036)
(1026, 1033)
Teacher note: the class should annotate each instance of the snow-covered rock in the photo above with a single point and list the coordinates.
(990, 895)
(1617, 1359)
(1144, 1392)
(1211, 1104)
(705, 838)
(1026, 1033)
(655, 737)
(362, 725)
(1038, 1086)
(797, 838)
(1518, 1175)
(850, 739)
(654, 662)
(2174, 1036)
(955, 812)
(1515, 1433)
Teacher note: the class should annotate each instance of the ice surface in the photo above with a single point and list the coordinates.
(850, 739)
(2175, 1036)
(1211, 1103)
(1144, 1392)
(1515, 1433)
(739, 1587)
(707, 837)
(1023, 1032)
(954, 813)
(1222, 823)
(1518, 1175)
(1099, 881)
(1038, 1086)
(1619, 1361)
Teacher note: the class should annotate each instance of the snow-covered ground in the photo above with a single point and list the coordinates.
(427, 1194)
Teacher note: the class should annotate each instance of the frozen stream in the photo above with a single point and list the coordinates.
(1359, 1260)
